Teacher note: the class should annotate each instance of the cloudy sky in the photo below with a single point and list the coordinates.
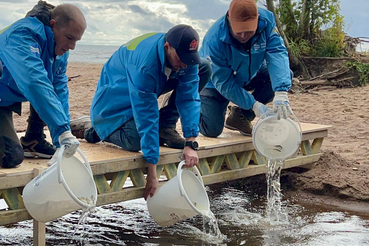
(117, 21)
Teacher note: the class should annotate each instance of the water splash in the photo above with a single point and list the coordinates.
(274, 210)
(211, 228)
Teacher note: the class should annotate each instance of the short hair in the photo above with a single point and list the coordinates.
(64, 13)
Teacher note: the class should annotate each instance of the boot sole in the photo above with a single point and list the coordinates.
(236, 129)
(36, 155)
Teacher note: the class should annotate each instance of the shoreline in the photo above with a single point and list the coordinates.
(346, 150)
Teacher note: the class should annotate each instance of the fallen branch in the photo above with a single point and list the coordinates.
(73, 77)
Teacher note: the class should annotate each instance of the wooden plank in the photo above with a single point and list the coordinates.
(170, 170)
(232, 162)
(16, 180)
(204, 166)
(138, 178)
(39, 229)
(314, 135)
(245, 158)
(102, 184)
(118, 180)
(216, 163)
(39, 236)
(316, 145)
(13, 216)
(305, 147)
(13, 198)
(252, 170)
(159, 170)
(257, 158)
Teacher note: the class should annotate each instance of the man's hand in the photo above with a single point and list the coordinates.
(190, 157)
(281, 105)
(151, 181)
(71, 143)
(260, 109)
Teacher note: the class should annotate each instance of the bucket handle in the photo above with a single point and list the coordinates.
(61, 177)
(181, 188)
(197, 172)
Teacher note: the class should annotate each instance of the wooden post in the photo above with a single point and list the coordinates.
(39, 230)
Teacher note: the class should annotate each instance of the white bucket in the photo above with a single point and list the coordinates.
(182, 197)
(276, 139)
(66, 186)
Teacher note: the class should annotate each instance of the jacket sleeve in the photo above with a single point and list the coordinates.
(277, 60)
(61, 82)
(32, 80)
(145, 110)
(188, 102)
(223, 77)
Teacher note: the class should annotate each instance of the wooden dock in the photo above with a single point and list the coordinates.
(230, 156)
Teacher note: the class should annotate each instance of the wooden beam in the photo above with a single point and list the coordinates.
(216, 163)
(253, 170)
(232, 162)
(39, 229)
(204, 166)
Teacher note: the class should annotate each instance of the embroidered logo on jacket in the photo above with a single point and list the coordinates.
(35, 50)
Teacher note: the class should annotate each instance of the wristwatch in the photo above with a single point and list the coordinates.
(193, 144)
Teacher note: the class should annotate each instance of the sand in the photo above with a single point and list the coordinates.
(344, 166)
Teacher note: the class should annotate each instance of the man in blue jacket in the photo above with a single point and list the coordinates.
(246, 54)
(125, 110)
(33, 57)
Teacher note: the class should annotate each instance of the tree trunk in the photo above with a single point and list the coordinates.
(294, 62)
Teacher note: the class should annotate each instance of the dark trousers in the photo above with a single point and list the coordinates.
(11, 151)
(214, 105)
(127, 135)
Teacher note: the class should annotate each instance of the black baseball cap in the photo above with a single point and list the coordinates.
(185, 40)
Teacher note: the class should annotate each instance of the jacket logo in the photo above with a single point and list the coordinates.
(194, 44)
(35, 50)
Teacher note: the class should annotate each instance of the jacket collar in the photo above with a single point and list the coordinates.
(161, 53)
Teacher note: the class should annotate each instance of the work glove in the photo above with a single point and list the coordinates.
(260, 109)
(281, 105)
(70, 142)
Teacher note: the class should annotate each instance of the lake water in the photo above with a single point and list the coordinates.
(92, 53)
(241, 217)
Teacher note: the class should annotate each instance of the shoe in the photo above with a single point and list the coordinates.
(169, 137)
(238, 122)
(80, 125)
(39, 148)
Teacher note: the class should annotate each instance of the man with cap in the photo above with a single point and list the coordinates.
(247, 55)
(125, 109)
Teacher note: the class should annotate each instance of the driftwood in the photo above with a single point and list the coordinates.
(73, 77)
(328, 72)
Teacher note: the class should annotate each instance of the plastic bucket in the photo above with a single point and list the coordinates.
(276, 139)
(182, 197)
(64, 187)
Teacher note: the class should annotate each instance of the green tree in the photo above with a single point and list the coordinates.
(309, 27)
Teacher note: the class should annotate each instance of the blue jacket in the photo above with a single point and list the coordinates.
(233, 67)
(129, 85)
(31, 72)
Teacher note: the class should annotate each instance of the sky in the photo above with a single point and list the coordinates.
(115, 22)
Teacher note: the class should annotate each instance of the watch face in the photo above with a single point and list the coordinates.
(195, 145)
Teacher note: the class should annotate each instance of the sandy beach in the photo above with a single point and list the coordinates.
(345, 163)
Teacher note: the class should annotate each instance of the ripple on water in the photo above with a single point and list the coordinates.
(241, 218)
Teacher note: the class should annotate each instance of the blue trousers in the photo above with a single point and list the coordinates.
(127, 135)
(214, 105)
